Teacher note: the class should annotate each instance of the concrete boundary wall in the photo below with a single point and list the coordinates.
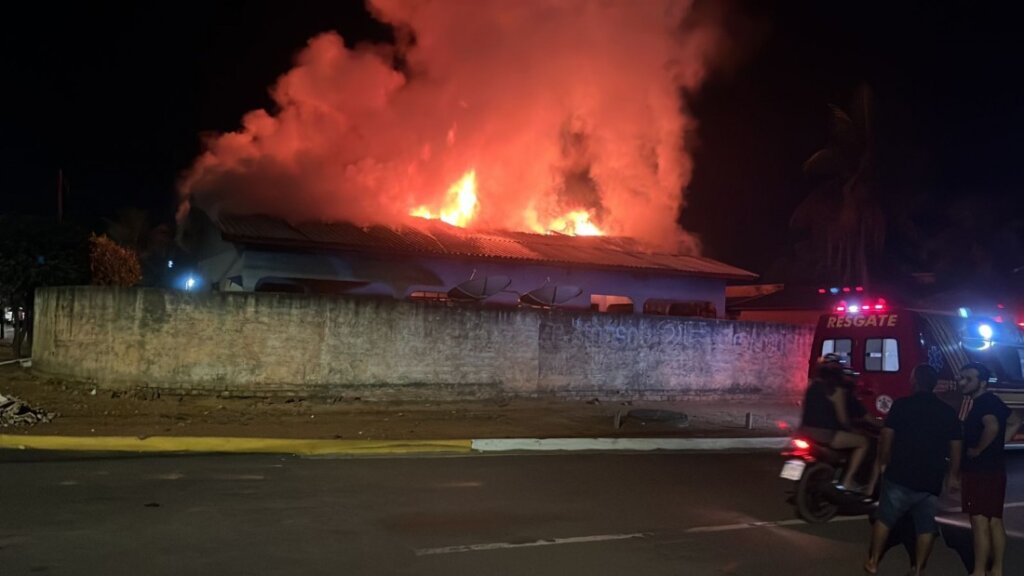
(282, 344)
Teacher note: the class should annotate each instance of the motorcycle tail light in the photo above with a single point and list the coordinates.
(801, 444)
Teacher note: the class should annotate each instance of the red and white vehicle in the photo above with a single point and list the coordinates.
(884, 344)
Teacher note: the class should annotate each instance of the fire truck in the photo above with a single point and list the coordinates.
(884, 344)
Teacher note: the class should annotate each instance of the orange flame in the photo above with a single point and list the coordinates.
(461, 206)
(460, 203)
(576, 223)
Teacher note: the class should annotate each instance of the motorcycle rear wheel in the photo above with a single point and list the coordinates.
(811, 503)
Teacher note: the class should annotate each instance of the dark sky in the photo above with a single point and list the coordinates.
(118, 95)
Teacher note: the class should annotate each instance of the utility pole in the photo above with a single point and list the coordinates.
(60, 195)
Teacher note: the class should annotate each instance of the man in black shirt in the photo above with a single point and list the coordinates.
(984, 469)
(920, 432)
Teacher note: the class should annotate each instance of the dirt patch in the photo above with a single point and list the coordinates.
(85, 410)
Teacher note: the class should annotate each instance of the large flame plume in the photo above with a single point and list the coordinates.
(536, 115)
(460, 204)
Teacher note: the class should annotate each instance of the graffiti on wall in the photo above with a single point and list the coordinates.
(631, 352)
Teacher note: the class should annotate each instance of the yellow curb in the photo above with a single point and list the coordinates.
(239, 445)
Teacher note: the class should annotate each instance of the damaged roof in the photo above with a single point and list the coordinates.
(436, 238)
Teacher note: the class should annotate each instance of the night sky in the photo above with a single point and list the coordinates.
(118, 97)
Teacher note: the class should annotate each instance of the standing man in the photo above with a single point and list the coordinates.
(984, 468)
(920, 432)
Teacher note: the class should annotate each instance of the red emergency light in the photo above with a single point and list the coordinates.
(837, 290)
(878, 305)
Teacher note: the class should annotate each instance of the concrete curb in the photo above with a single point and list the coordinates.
(634, 444)
(231, 445)
(157, 444)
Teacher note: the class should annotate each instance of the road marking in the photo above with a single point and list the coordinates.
(304, 447)
(608, 537)
(763, 524)
(958, 509)
(966, 525)
(545, 542)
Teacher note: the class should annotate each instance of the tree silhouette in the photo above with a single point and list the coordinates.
(35, 252)
(133, 230)
(842, 221)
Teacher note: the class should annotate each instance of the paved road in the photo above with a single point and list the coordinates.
(564, 514)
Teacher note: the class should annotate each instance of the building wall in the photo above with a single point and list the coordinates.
(398, 276)
(262, 344)
(804, 317)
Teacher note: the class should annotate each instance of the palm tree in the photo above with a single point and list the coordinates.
(843, 212)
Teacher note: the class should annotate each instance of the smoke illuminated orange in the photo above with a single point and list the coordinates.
(460, 203)
(517, 116)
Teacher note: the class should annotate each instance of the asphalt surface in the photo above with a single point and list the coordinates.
(564, 514)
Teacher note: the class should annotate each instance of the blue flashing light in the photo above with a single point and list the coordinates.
(189, 282)
(834, 290)
(985, 331)
(964, 312)
(170, 263)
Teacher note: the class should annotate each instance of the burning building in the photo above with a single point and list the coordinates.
(441, 262)
(505, 152)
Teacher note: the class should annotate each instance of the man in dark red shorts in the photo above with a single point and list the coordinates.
(983, 479)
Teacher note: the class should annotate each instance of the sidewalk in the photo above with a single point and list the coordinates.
(85, 412)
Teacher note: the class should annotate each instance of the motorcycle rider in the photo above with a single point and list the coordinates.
(826, 419)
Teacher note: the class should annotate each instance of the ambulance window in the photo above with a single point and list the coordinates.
(881, 355)
(843, 347)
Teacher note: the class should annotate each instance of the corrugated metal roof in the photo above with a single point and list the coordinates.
(259, 227)
(438, 238)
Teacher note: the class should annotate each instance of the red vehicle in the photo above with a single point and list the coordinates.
(884, 344)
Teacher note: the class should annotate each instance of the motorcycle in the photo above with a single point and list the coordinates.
(815, 470)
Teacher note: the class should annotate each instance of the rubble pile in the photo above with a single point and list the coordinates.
(15, 412)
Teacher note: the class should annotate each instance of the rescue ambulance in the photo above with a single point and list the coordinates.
(884, 343)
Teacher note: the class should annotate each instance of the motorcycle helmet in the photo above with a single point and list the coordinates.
(830, 366)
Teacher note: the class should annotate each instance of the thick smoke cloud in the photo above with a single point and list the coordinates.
(558, 105)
